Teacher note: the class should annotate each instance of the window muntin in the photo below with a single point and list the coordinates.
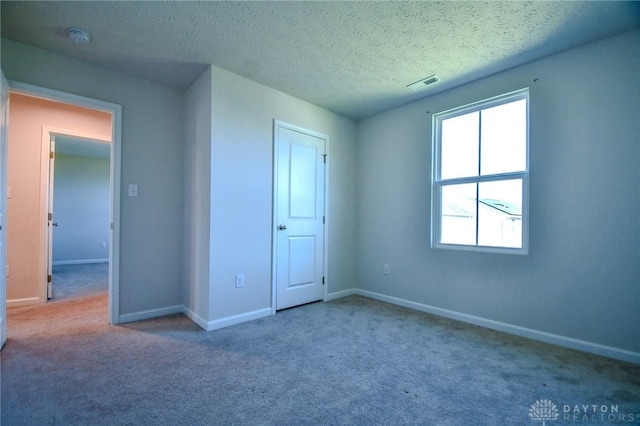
(480, 176)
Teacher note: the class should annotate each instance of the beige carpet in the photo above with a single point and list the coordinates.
(350, 361)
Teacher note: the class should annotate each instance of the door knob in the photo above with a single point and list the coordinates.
(282, 227)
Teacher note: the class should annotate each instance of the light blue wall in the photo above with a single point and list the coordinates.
(81, 209)
(241, 190)
(152, 157)
(197, 199)
(228, 194)
(581, 279)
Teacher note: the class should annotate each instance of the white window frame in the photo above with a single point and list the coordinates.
(437, 183)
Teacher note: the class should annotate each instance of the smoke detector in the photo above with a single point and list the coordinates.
(79, 36)
(422, 84)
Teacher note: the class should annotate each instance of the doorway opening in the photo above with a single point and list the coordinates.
(87, 151)
(78, 215)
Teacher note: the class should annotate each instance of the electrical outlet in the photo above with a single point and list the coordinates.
(386, 269)
(133, 190)
(239, 280)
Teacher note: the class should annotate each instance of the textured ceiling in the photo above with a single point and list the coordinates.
(354, 58)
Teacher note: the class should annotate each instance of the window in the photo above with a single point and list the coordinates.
(480, 175)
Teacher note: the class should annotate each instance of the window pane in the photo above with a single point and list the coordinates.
(459, 146)
(504, 138)
(500, 213)
(458, 216)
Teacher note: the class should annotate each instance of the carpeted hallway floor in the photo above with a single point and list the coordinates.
(71, 281)
(350, 361)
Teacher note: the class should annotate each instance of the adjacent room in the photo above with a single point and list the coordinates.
(321, 213)
(58, 166)
(80, 259)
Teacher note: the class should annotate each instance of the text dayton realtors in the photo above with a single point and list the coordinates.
(596, 413)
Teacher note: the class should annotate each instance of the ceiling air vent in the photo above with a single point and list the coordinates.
(421, 84)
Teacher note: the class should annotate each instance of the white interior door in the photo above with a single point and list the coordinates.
(50, 221)
(299, 216)
(4, 111)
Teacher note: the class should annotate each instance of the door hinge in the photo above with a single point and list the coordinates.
(322, 280)
(323, 222)
(49, 216)
(48, 278)
(324, 158)
(51, 155)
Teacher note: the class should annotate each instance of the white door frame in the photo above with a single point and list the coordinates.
(49, 194)
(3, 206)
(114, 176)
(274, 219)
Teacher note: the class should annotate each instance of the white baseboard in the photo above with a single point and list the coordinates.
(79, 261)
(152, 313)
(195, 317)
(339, 294)
(237, 319)
(3, 329)
(568, 342)
(23, 302)
(206, 325)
